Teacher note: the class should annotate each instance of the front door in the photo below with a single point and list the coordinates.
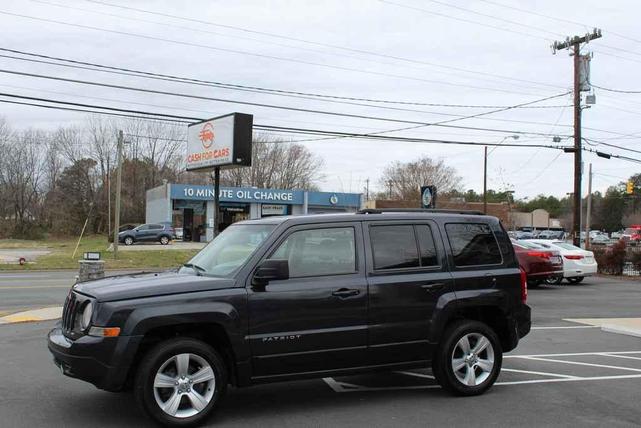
(317, 319)
(408, 278)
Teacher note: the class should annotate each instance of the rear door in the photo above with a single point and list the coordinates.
(407, 276)
(482, 257)
(317, 319)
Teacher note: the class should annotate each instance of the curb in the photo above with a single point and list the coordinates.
(620, 329)
(42, 314)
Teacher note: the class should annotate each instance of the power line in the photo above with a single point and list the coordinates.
(315, 43)
(283, 129)
(619, 91)
(259, 55)
(555, 18)
(236, 36)
(166, 77)
(297, 109)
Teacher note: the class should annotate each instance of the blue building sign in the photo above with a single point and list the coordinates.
(237, 194)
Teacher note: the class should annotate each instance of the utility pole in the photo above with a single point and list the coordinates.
(575, 43)
(118, 189)
(485, 180)
(389, 185)
(589, 211)
(216, 178)
(367, 189)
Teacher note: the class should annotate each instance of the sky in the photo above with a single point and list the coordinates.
(463, 52)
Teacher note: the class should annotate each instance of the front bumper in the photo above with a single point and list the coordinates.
(102, 361)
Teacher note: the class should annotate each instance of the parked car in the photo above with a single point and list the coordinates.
(632, 234)
(577, 262)
(524, 235)
(599, 239)
(616, 235)
(297, 297)
(152, 232)
(122, 228)
(539, 263)
(550, 234)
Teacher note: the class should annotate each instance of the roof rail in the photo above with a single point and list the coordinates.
(417, 210)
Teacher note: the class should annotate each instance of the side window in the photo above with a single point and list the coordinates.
(394, 247)
(473, 244)
(317, 252)
(426, 245)
(156, 226)
(144, 227)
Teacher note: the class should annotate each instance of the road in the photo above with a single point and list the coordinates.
(562, 374)
(28, 290)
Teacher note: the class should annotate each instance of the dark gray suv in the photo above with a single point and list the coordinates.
(298, 297)
(152, 232)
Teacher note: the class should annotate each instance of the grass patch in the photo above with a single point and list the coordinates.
(62, 250)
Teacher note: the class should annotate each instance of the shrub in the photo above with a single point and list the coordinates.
(612, 259)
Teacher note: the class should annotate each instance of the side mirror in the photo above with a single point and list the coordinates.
(271, 270)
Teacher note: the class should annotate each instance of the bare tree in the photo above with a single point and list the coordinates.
(403, 181)
(277, 164)
(21, 178)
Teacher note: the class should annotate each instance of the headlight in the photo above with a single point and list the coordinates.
(85, 320)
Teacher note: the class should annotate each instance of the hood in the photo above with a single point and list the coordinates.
(138, 285)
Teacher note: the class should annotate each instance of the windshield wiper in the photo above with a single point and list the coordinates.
(196, 268)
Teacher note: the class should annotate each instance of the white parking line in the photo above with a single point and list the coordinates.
(564, 327)
(605, 354)
(340, 386)
(573, 354)
(579, 363)
(539, 373)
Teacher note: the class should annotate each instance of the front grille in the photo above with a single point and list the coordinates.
(69, 312)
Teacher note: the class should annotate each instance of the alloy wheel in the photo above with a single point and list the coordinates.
(472, 359)
(184, 385)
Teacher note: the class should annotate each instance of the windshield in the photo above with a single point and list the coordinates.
(229, 250)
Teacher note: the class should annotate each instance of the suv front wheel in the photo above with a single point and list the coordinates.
(468, 359)
(179, 382)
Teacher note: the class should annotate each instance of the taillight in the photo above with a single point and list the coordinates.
(573, 257)
(541, 254)
(523, 285)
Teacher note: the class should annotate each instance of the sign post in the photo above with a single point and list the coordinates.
(221, 142)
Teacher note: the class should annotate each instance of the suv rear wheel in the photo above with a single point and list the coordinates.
(468, 359)
(164, 240)
(179, 382)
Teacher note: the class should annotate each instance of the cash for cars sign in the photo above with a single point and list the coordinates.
(220, 142)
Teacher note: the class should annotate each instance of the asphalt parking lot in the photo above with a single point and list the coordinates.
(562, 374)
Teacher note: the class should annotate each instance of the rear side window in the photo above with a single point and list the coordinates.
(394, 247)
(473, 244)
(426, 245)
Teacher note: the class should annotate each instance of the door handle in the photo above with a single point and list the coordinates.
(433, 286)
(345, 292)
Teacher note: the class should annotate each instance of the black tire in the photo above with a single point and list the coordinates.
(154, 359)
(164, 240)
(533, 283)
(128, 240)
(575, 279)
(554, 280)
(442, 362)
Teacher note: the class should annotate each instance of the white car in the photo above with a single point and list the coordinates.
(616, 235)
(577, 263)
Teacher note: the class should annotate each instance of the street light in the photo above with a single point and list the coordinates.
(516, 137)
